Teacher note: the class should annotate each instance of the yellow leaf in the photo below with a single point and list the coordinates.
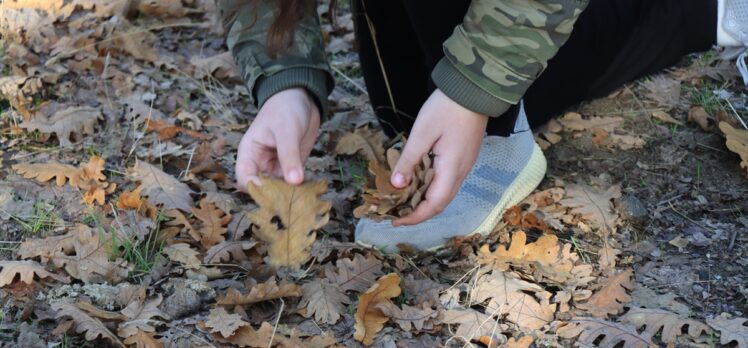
(369, 316)
(287, 218)
(737, 142)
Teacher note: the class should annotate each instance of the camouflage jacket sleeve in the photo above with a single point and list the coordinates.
(501, 47)
(304, 64)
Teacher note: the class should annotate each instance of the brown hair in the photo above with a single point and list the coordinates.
(280, 35)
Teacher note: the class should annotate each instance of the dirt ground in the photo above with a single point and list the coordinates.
(158, 87)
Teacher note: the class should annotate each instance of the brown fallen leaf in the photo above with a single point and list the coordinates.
(220, 321)
(287, 218)
(144, 339)
(665, 117)
(221, 66)
(89, 177)
(731, 330)
(545, 257)
(133, 200)
(698, 115)
(213, 223)
(184, 254)
(369, 317)
(139, 317)
(162, 188)
(510, 295)
(46, 248)
(323, 300)
(594, 332)
(26, 271)
(523, 342)
(670, 323)
(357, 274)
(369, 143)
(611, 298)
(246, 336)
(384, 201)
(89, 260)
(266, 291)
(228, 251)
(64, 123)
(92, 327)
(574, 122)
(593, 205)
(409, 317)
(474, 324)
(167, 130)
(737, 142)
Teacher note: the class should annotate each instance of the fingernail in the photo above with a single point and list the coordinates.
(398, 179)
(294, 176)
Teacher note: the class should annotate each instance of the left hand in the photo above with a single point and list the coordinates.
(454, 135)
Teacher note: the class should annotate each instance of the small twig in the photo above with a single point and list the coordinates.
(354, 83)
(277, 321)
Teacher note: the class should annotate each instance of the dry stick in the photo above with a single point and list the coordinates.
(373, 33)
(735, 113)
(277, 321)
(350, 80)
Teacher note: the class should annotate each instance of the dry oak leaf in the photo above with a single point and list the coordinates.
(737, 142)
(368, 142)
(85, 323)
(574, 121)
(144, 339)
(26, 271)
(228, 250)
(323, 300)
(221, 66)
(611, 297)
(139, 314)
(213, 224)
(184, 254)
(46, 248)
(731, 330)
(246, 336)
(44, 172)
(665, 117)
(369, 316)
(167, 130)
(162, 188)
(545, 256)
(523, 342)
(671, 324)
(595, 332)
(510, 295)
(698, 115)
(384, 201)
(89, 260)
(473, 324)
(266, 291)
(410, 316)
(132, 200)
(287, 218)
(78, 120)
(357, 274)
(593, 205)
(224, 323)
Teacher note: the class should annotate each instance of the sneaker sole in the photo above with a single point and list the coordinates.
(526, 182)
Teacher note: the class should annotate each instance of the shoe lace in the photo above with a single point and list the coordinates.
(742, 66)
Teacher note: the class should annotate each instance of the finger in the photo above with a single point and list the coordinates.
(246, 171)
(289, 156)
(418, 145)
(442, 190)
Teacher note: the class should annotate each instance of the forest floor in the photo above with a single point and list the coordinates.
(120, 224)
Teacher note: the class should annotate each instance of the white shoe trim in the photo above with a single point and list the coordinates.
(724, 39)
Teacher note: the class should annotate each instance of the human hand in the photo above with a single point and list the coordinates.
(279, 140)
(454, 135)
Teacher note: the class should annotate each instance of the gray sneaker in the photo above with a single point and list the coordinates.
(508, 169)
(734, 22)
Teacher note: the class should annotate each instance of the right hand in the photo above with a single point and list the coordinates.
(279, 140)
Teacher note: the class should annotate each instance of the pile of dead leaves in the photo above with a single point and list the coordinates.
(381, 200)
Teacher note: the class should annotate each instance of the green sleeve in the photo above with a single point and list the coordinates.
(304, 64)
(500, 48)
